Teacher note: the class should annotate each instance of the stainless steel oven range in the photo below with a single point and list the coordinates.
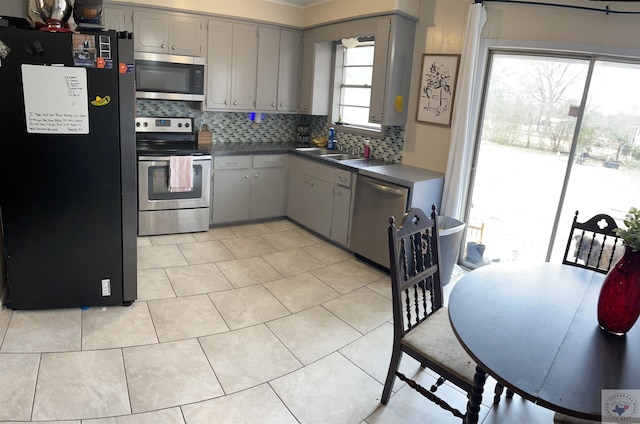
(161, 210)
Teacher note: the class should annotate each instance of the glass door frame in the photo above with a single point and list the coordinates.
(490, 51)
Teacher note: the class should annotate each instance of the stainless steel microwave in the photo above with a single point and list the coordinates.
(169, 77)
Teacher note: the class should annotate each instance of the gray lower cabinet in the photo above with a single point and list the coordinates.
(310, 199)
(268, 186)
(342, 210)
(320, 198)
(310, 202)
(340, 215)
(320, 204)
(248, 187)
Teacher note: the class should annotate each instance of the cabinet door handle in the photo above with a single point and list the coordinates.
(162, 46)
(173, 47)
(255, 175)
(226, 102)
(246, 176)
(281, 105)
(339, 192)
(235, 103)
(273, 105)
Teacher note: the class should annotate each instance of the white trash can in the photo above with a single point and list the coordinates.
(451, 232)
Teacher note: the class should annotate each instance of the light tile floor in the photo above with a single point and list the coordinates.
(256, 324)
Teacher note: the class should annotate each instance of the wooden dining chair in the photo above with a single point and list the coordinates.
(420, 319)
(593, 244)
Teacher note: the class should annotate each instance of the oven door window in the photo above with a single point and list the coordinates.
(159, 184)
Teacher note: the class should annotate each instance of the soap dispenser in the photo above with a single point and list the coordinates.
(367, 149)
(332, 134)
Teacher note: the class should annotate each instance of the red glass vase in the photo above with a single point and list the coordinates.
(619, 301)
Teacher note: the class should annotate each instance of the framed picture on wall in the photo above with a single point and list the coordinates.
(437, 88)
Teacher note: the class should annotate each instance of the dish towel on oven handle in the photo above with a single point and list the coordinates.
(180, 173)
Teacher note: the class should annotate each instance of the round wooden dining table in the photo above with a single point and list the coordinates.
(534, 328)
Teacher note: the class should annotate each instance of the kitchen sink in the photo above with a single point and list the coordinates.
(314, 150)
(341, 156)
(329, 154)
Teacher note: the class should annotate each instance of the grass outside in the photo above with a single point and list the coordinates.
(517, 191)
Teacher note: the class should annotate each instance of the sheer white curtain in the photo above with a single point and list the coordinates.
(464, 118)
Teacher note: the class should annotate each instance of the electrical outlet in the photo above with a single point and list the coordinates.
(106, 287)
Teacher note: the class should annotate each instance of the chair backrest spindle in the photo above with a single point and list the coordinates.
(414, 259)
(593, 244)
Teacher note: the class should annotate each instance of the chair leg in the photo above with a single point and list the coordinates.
(475, 397)
(497, 393)
(396, 355)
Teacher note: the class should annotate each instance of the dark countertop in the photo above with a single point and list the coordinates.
(397, 173)
(231, 149)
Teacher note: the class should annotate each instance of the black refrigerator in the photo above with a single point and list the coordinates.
(67, 169)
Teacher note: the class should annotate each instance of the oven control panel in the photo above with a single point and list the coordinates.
(167, 125)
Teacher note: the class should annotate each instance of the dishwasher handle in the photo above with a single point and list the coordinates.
(386, 189)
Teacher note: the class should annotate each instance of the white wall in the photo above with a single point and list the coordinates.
(439, 30)
(553, 25)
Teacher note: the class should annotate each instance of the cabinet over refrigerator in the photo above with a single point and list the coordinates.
(68, 169)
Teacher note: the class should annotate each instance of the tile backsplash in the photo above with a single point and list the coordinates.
(235, 127)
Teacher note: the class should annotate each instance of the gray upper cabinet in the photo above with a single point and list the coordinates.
(392, 63)
(268, 56)
(219, 64)
(379, 79)
(232, 61)
(278, 69)
(151, 32)
(117, 18)
(176, 33)
(315, 80)
(288, 70)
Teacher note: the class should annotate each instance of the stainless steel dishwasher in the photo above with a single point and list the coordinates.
(374, 203)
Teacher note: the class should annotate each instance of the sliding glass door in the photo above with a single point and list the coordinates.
(557, 134)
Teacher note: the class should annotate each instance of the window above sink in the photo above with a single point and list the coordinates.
(352, 85)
